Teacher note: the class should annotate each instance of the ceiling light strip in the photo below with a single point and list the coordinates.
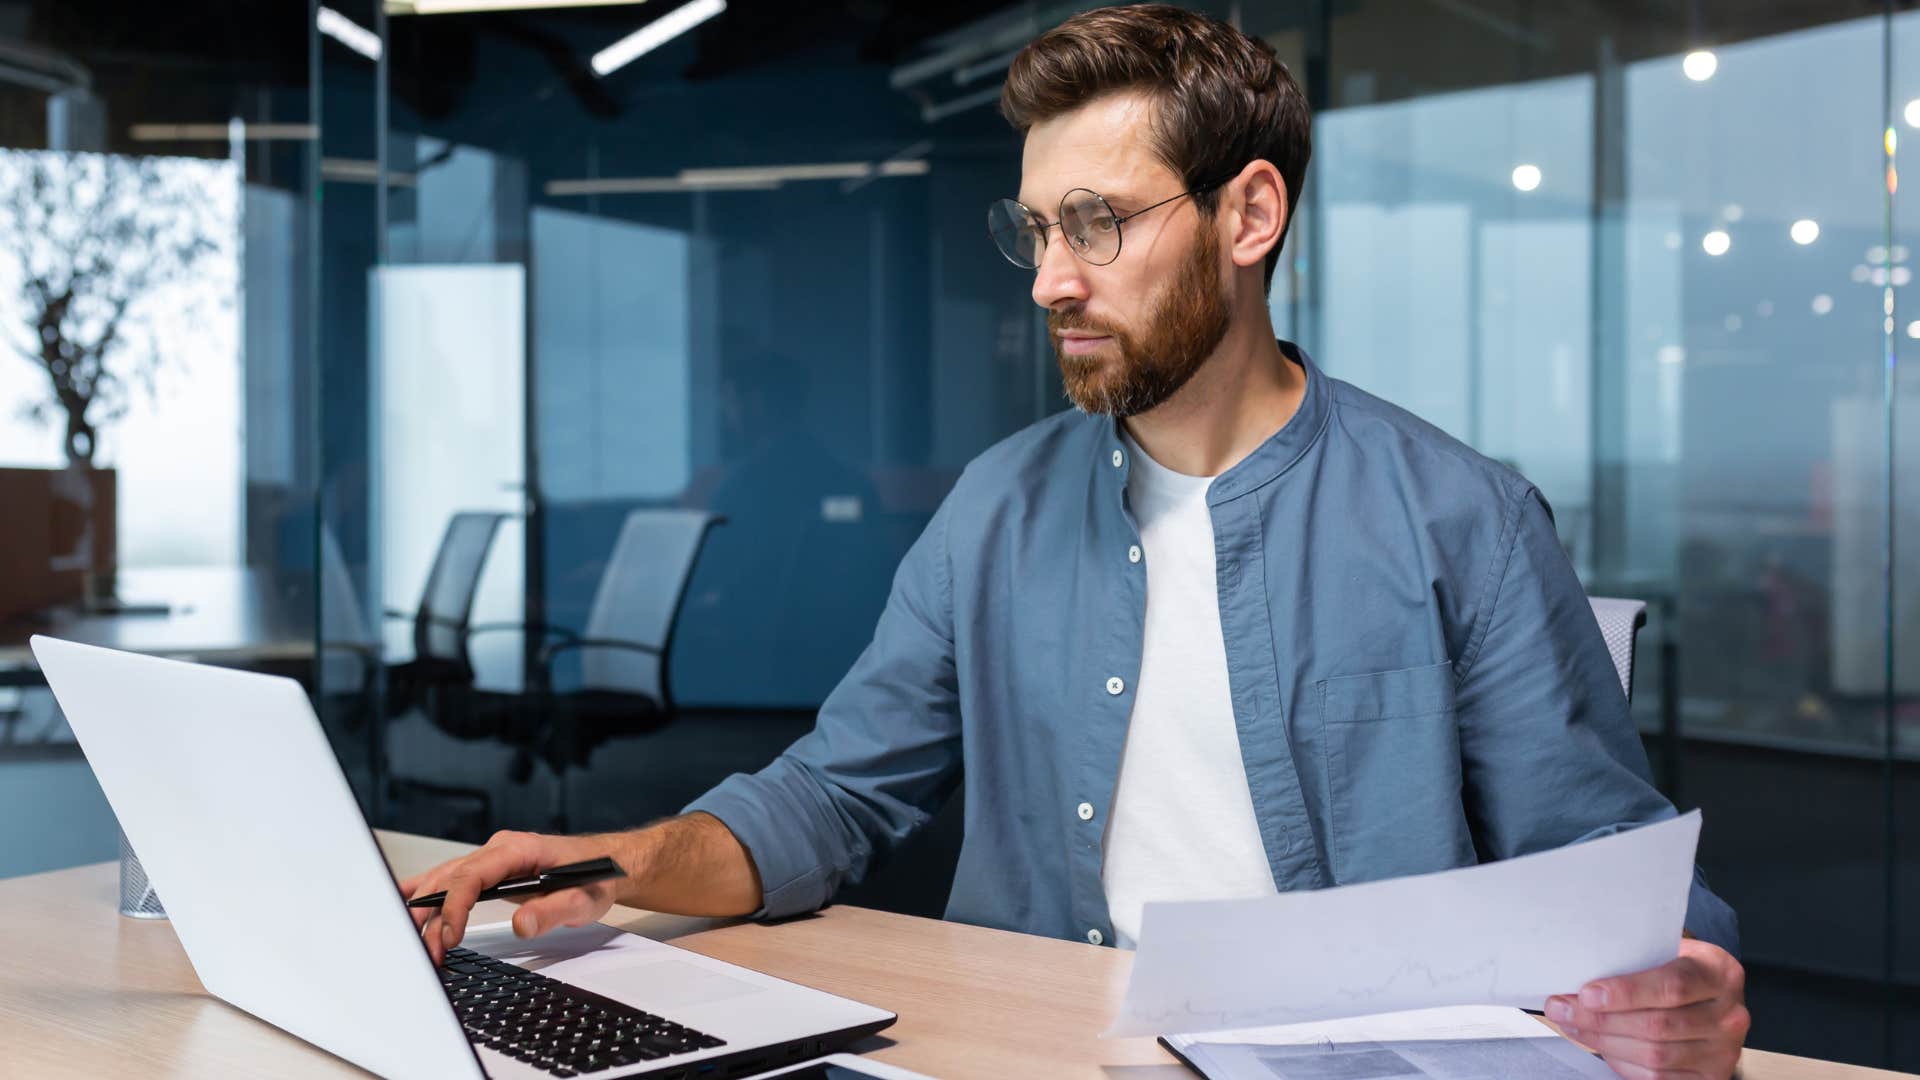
(655, 34)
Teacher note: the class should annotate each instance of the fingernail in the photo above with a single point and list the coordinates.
(526, 925)
(1594, 997)
(448, 937)
(1559, 1011)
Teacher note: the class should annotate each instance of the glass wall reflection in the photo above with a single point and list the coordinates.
(1648, 263)
(155, 269)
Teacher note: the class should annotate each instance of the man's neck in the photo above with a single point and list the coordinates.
(1241, 395)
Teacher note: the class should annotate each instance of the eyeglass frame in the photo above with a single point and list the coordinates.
(1120, 235)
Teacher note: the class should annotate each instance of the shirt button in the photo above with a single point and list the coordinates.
(1086, 811)
(1118, 458)
(1133, 553)
(1095, 937)
(1115, 685)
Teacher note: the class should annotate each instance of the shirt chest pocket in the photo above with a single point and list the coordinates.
(1393, 774)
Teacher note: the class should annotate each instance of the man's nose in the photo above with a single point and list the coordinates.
(1058, 277)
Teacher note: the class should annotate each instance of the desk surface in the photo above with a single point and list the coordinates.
(219, 613)
(84, 992)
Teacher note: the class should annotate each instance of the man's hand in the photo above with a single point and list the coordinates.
(1685, 1018)
(511, 854)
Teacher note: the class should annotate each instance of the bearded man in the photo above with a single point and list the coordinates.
(1229, 627)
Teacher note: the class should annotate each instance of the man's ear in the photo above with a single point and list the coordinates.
(1257, 206)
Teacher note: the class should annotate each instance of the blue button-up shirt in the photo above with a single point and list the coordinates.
(1417, 678)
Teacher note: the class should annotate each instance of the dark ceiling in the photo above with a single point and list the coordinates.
(200, 60)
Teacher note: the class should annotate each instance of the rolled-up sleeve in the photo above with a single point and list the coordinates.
(1550, 753)
(883, 755)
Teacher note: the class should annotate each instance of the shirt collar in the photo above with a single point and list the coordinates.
(1270, 458)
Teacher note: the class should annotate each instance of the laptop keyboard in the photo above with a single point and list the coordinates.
(552, 1025)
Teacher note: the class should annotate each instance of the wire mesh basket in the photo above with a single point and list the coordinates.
(137, 898)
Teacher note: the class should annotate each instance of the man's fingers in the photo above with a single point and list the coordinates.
(1701, 1020)
(463, 891)
(1681, 981)
(420, 885)
(504, 856)
(430, 934)
(1629, 1071)
(568, 907)
(1667, 1060)
(1685, 1018)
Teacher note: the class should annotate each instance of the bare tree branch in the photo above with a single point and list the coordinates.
(95, 239)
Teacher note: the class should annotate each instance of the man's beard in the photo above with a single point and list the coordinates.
(1129, 375)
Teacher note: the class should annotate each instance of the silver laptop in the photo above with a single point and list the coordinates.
(233, 799)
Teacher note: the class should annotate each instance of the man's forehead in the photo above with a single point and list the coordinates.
(1101, 146)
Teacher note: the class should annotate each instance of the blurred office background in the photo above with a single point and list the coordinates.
(419, 351)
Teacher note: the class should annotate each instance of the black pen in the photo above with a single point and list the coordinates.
(560, 877)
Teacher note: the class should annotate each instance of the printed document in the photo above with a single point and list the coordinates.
(1462, 1042)
(1513, 932)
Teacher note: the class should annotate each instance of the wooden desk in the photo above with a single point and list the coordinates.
(84, 992)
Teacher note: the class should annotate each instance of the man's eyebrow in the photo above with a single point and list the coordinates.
(1115, 198)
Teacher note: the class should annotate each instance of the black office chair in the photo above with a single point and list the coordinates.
(439, 678)
(622, 686)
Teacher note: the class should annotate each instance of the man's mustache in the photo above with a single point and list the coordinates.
(1076, 319)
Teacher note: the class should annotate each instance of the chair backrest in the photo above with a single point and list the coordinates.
(639, 598)
(1620, 621)
(446, 604)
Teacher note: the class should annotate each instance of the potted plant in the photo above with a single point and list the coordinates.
(93, 241)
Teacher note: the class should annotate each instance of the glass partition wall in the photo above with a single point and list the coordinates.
(156, 464)
(1659, 263)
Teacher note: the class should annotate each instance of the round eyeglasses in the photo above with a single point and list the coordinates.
(1091, 227)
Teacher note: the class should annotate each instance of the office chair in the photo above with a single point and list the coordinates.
(439, 678)
(622, 687)
(1620, 623)
(438, 681)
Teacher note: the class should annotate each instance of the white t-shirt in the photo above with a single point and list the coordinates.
(1182, 825)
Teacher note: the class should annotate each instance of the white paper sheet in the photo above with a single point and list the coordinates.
(1461, 1042)
(1446, 1022)
(1513, 932)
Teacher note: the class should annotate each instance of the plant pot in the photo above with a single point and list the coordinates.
(59, 539)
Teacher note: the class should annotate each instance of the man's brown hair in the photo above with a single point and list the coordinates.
(1220, 98)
